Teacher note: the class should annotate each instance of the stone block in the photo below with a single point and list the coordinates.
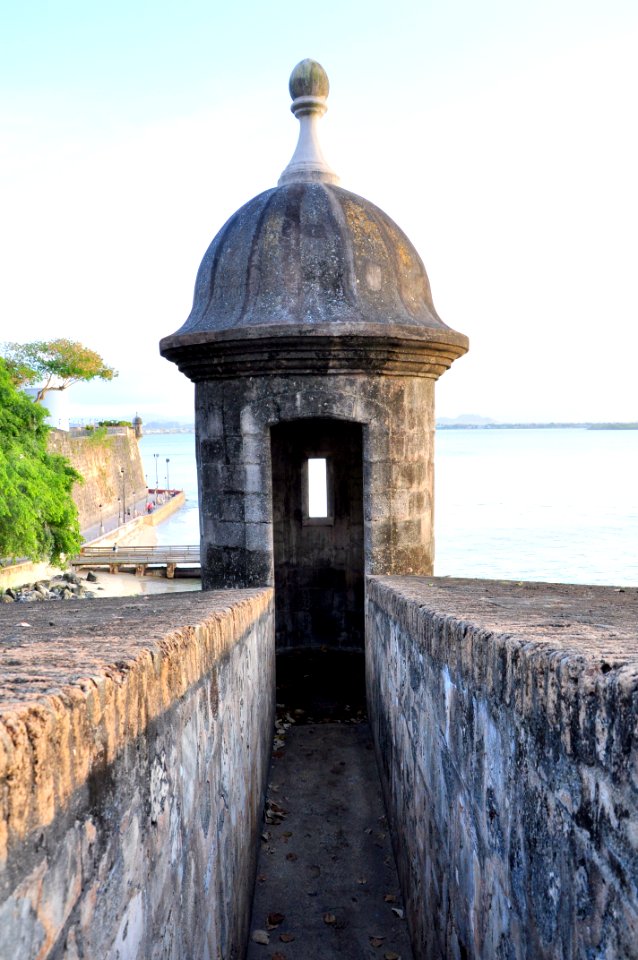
(259, 537)
(228, 533)
(256, 478)
(256, 449)
(211, 451)
(257, 508)
(231, 508)
(208, 412)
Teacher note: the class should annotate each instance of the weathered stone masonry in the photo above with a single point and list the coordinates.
(135, 735)
(100, 464)
(134, 746)
(313, 336)
(506, 723)
(235, 470)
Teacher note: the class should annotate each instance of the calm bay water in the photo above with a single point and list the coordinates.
(555, 505)
(179, 449)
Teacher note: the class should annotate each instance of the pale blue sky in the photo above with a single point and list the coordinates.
(501, 136)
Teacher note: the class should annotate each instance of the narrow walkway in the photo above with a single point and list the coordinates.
(327, 885)
(112, 522)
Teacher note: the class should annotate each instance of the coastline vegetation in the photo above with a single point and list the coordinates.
(99, 437)
(38, 518)
(53, 365)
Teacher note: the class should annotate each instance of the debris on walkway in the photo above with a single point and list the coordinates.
(326, 879)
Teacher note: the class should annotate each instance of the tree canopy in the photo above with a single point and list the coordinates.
(38, 518)
(53, 364)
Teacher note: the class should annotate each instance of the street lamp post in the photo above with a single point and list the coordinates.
(156, 455)
(123, 495)
(168, 484)
(101, 519)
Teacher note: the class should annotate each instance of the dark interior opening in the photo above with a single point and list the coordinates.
(319, 685)
(319, 579)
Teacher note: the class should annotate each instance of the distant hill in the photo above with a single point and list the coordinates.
(484, 423)
(464, 420)
(168, 426)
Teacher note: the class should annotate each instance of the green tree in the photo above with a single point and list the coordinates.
(38, 518)
(53, 364)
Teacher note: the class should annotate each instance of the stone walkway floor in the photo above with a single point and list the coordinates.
(326, 881)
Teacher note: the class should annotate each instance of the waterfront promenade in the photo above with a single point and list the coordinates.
(139, 523)
(114, 522)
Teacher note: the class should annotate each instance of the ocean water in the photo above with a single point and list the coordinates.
(550, 505)
(179, 448)
(542, 504)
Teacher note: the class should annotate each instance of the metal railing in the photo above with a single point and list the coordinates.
(121, 553)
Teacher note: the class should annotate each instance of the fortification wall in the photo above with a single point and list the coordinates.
(100, 463)
(134, 743)
(506, 723)
(135, 737)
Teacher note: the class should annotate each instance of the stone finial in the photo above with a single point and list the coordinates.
(309, 89)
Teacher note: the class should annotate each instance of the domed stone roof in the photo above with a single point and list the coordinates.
(310, 253)
(308, 259)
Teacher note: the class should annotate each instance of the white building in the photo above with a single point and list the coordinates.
(56, 403)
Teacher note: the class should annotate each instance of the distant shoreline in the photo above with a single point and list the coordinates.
(585, 425)
(537, 426)
(152, 431)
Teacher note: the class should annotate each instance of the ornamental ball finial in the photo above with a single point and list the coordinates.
(309, 91)
(308, 79)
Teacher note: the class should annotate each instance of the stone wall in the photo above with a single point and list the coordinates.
(100, 463)
(18, 574)
(233, 421)
(135, 737)
(506, 722)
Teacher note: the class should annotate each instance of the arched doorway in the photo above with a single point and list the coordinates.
(317, 472)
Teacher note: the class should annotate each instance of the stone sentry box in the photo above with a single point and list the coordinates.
(313, 333)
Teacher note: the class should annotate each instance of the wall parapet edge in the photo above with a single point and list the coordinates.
(116, 749)
(506, 721)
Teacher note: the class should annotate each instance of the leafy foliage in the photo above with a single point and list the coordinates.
(98, 437)
(38, 518)
(55, 364)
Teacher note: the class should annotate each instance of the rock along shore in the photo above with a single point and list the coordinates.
(65, 586)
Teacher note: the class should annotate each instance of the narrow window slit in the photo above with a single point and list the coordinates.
(317, 487)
